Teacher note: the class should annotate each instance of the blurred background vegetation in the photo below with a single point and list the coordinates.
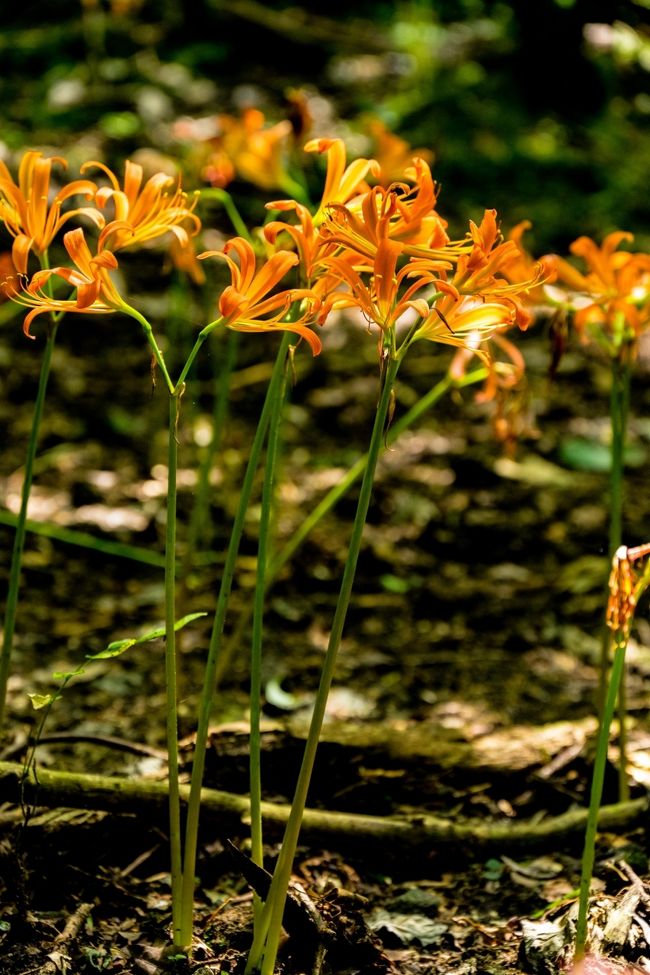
(539, 109)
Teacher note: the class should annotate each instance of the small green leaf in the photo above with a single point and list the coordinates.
(113, 649)
(66, 675)
(40, 701)
(119, 646)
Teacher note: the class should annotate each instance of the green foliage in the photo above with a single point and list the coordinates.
(114, 649)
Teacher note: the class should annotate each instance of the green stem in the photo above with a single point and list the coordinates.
(266, 940)
(597, 782)
(193, 809)
(619, 409)
(170, 669)
(151, 339)
(255, 764)
(226, 200)
(21, 524)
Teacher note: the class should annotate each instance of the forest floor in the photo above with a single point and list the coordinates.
(465, 687)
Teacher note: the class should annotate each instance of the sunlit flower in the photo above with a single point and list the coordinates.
(247, 304)
(143, 213)
(312, 246)
(466, 323)
(25, 208)
(485, 270)
(342, 182)
(378, 217)
(382, 292)
(95, 292)
(401, 213)
(614, 294)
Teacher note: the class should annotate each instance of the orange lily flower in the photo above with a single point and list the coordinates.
(380, 300)
(402, 213)
(311, 244)
(247, 148)
(25, 209)
(144, 212)
(487, 269)
(614, 292)
(465, 324)
(341, 182)
(246, 305)
(96, 293)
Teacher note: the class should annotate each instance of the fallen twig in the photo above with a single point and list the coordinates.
(420, 832)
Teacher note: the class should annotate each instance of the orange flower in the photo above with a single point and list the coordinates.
(32, 221)
(341, 182)
(466, 323)
(96, 293)
(383, 299)
(310, 245)
(402, 213)
(7, 273)
(486, 270)
(246, 147)
(614, 294)
(393, 154)
(144, 212)
(245, 304)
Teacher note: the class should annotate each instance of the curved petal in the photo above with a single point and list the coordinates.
(20, 249)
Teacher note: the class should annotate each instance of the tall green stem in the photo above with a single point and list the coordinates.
(266, 940)
(597, 782)
(193, 809)
(255, 769)
(19, 537)
(153, 345)
(170, 668)
(619, 409)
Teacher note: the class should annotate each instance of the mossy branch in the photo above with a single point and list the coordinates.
(423, 833)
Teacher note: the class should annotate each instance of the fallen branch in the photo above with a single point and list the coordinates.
(421, 832)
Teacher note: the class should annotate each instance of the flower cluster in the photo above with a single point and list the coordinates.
(383, 250)
(610, 302)
(142, 211)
